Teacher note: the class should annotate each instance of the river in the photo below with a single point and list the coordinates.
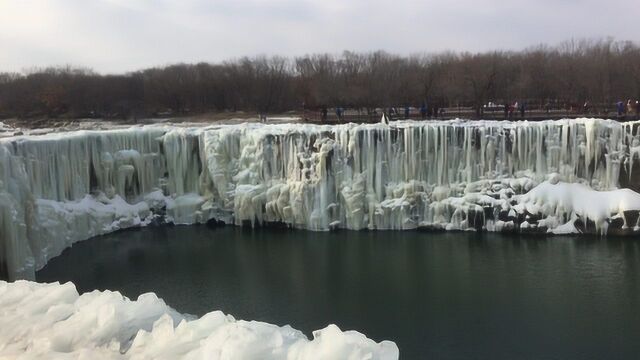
(437, 295)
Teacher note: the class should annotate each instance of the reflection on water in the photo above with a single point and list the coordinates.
(437, 295)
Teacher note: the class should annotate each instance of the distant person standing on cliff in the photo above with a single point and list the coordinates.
(523, 108)
(620, 108)
(423, 111)
(506, 110)
(407, 111)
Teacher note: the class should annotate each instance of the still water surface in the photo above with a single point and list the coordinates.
(437, 295)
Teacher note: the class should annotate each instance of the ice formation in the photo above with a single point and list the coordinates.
(546, 176)
(53, 321)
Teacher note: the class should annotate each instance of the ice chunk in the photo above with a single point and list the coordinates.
(54, 321)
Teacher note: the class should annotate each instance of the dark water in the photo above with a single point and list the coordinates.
(438, 296)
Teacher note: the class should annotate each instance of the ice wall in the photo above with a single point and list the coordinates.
(60, 188)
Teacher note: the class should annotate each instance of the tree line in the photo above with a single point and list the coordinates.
(600, 72)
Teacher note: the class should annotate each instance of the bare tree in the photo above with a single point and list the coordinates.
(573, 73)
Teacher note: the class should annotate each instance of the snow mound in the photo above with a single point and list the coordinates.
(45, 321)
(565, 199)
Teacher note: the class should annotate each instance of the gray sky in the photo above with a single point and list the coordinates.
(124, 35)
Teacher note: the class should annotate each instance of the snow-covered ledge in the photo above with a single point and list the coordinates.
(551, 176)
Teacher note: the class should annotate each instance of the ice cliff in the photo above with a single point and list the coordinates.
(550, 176)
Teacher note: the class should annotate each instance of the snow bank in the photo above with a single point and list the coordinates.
(562, 200)
(54, 321)
(59, 188)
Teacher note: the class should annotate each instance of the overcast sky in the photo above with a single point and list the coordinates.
(113, 36)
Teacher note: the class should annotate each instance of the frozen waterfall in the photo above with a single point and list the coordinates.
(548, 176)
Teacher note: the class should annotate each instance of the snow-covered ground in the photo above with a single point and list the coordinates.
(62, 126)
(52, 321)
(6, 130)
(59, 188)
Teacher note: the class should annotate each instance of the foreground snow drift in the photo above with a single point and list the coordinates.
(60, 188)
(52, 321)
